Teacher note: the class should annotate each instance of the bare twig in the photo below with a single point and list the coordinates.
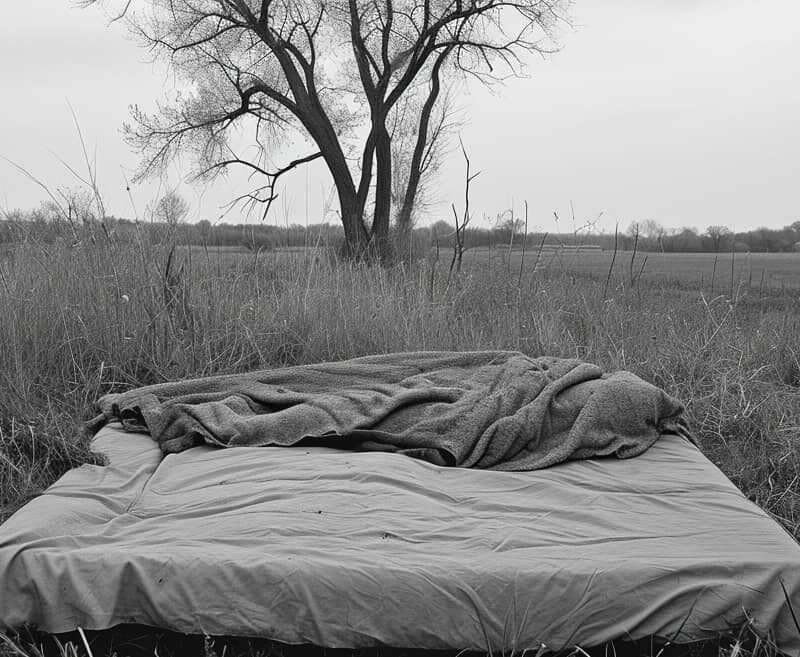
(613, 260)
(524, 242)
(458, 245)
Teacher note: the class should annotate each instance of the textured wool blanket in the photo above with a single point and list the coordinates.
(488, 409)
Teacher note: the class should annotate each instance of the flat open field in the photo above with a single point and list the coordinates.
(773, 271)
(767, 273)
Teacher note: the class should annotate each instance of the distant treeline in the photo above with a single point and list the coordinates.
(20, 225)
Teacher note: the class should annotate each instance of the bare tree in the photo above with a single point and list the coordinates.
(648, 233)
(171, 208)
(414, 172)
(509, 226)
(330, 72)
(654, 232)
(718, 235)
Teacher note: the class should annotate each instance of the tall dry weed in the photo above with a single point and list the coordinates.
(111, 311)
(81, 319)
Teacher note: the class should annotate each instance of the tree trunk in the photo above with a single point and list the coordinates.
(383, 191)
(356, 235)
(415, 170)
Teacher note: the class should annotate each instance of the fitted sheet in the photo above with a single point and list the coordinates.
(357, 549)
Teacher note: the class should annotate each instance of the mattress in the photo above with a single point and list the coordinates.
(357, 549)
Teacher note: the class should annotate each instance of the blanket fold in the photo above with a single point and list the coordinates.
(500, 410)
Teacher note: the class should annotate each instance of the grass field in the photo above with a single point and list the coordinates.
(80, 321)
(762, 273)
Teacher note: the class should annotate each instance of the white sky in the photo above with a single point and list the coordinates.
(682, 111)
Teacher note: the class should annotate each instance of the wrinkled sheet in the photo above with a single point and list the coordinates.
(354, 549)
(479, 409)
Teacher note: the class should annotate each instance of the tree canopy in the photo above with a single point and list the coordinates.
(339, 76)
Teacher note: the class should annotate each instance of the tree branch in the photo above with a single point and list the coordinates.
(256, 196)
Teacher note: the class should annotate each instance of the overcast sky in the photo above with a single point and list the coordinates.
(686, 112)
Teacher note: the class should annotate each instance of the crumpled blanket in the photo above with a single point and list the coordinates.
(500, 410)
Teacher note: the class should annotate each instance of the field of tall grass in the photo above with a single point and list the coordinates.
(82, 319)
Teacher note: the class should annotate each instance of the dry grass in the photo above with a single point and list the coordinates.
(105, 314)
(140, 641)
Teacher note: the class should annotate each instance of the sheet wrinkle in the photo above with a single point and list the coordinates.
(141, 490)
(202, 548)
(496, 410)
